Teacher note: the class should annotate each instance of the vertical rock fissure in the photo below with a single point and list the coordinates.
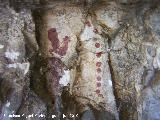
(109, 42)
(112, 78)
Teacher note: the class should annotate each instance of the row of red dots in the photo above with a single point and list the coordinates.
(98, 65)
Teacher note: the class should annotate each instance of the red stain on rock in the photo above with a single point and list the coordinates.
(99, 78)
(53, 75)
(95, 31)
(88, 23)
(99, 70)
(98, 64)
(57, 48)
(98, 84)
(99, 54)
(97, 45)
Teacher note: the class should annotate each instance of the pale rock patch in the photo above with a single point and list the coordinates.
(12, 55)
(1, 46)
(65, 78)
(22, 66)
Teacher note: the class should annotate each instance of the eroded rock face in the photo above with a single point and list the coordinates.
(14, 83)
(100, 59)
(14, 68)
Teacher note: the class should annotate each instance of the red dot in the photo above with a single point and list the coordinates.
(99, 70)
(98, 64)
(98, 91)
(97, 45)
(88, 23)
(95, 31)
(99, 78)
(98, 84)
(100, 95)
(98, 54)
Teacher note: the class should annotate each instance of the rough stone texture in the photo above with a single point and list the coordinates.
(13, 75)
(32, 108)
(14, 83)
(100, 59)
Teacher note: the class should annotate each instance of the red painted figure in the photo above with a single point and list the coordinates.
(56, 67)
(58, 48)
(98, 78)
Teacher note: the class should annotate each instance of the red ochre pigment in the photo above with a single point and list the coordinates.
(62, 50)
(98, 91)
(99, 54)
(88, 23)
(57, 48)
(98, 64)
(95, 31)
(97, 45)
(98, 84)
(53, 37)
(99, 78)
(99, 70)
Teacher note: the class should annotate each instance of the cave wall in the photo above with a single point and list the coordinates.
(100, 59)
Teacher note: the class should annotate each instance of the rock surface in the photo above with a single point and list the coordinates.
(95, 60)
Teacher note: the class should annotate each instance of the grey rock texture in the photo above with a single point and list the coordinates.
(99, 59)
(15, 65)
